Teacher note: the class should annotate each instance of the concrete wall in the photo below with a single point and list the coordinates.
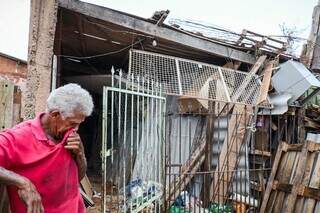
(42, 27)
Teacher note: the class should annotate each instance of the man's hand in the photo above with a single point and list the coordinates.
(30, 196)
(74, 144)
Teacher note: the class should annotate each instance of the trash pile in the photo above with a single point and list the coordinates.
(140, 194)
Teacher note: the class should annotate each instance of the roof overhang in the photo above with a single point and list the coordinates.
(87, 30)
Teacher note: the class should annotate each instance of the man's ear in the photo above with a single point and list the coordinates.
(54, 113)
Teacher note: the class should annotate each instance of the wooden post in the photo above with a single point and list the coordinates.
(265, 83)
(311, 45)
(6, 105)
(229, 154)
(208, 155)
(272, 177)
(6, 118)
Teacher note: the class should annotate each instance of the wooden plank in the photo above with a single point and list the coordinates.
(308, 192)
(188, 170)
(311, 123)
(271, 178)
(313, 193)
(312, 40)
(224, 85)
(248, 78)
(259, 152)
(86, 198)
(293, 147)
(16, 111)
(143, 26)
(289, 206)
(313, 146)
(86, 186)
(265, 83)
(254, 69)
(314, 183)
(208, 158)
(285, 175)
(274, 194)
(306, 179)
(302, 187)
(229, 153)
(284, 187)
(258, 64)
(312, 37)
(183, 181)
(6, 104)
(6, 121)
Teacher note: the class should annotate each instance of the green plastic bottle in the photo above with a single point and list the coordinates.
(216, 208)
(176, 209)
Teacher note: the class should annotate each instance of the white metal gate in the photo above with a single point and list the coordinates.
(133, 145)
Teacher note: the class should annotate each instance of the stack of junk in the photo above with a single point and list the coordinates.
(185, 136)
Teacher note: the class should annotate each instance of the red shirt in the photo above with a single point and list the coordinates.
(26, 150)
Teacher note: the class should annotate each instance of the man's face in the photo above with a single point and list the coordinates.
(62, 125)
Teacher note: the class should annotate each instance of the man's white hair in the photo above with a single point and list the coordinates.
(69, 99)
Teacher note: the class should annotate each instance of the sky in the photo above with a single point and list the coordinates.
(259, 16)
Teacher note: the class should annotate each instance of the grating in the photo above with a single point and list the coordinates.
(194, 79)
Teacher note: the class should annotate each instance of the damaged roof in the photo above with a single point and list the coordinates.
(101, 35)
(100, 29)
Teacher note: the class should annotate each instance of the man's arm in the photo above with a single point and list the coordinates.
(75, 145)
(26, 190)
(10, 178)
(82, 165)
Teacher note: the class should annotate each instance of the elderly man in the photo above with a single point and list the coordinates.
(42, 160)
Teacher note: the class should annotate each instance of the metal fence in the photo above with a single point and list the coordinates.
(133, 146)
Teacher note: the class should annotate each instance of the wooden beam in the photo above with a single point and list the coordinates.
(229, 154)
(143, 26)
(271, 178)
(312, 40)
(208, 156)
(304, 191)
(265, 83)
(314, 182)
(311, 123)
(286, 168)
(289, 206)
(261, 153)
(86, 186)
(188, 171)
(254, 69)
(299, 190)
(248, 78)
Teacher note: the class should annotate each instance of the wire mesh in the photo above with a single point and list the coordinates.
(189, 78)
